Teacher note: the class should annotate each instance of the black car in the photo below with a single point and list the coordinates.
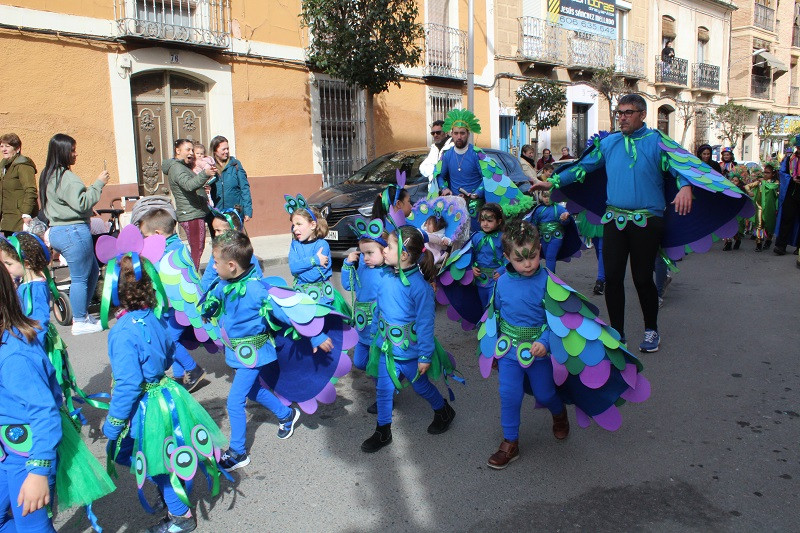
(342, 204)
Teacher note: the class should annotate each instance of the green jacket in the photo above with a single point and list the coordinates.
(17, 192)
(69, 201)
(187, 189)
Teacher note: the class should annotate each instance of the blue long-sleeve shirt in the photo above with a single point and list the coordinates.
(35, 296)
(210, 275)
(304, 262)
(542, 214)
(366, 282)
(29, 394)
(486, 256)
(399, 305)
(241, 317)
(633, 165)
(141, 351)
(519, 300)
(461, 171)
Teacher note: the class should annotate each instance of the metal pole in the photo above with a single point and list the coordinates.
(471, 56)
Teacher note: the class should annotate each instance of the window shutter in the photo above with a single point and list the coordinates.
(668, 28)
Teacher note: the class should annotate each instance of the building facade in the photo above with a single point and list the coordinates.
(128, 77)
(765, 44)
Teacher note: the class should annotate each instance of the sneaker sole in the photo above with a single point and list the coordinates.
(645, 350)
(294, 421)
(196, 383)
(237, 466)
(502, 467)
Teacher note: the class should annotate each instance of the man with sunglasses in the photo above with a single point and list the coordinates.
(630, 180)
(441, 141)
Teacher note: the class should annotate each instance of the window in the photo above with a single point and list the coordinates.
(702, 41)
(342, 123)
(442, 102)
(664, 116)
(622, 30)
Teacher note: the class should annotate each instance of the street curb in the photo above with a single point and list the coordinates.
(272, 261)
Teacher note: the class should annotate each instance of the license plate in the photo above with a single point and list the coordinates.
(332, 235)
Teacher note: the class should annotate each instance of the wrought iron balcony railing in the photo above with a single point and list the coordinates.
(541, 41)
(588, 51)
(196, 22)
(630, 58)
(764, 17)
(673, 72)
(705, 76)
(794, 96)
(760, 87)
(445, 52)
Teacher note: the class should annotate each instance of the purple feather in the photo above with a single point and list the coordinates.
(130, 240)
(702, 245)
(446, 278)
(441, 298)
(572, 320)
(468, 277)
(560, 372)
(344, 366)
(349, 337)
(309, 406)
(327, 394)
(582, 418)
(466, 325)
(452, 314)
(280, 292)
(728, 229)
(596, 376)
(640, 393)
(485, 365)
(610, 419)
(182, 319)
(311, 329)
(153, 248)
(629, 374)
(201, 334)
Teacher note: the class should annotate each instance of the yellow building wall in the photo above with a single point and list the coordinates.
(272, 117)
(400, 120)
(63, 88)
(84, 8)
(276, 22)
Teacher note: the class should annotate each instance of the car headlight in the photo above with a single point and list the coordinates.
(365, 210)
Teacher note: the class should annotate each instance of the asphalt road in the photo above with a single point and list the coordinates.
(714, 448)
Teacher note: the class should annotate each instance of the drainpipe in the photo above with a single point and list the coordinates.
(471, 56)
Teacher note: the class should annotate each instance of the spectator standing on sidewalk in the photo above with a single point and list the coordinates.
(232, 189)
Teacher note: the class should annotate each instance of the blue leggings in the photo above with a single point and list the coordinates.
(550, 250)
(182, 361)
(161, 481)
(386, 388)
(361, 355)
(540, 375)
(246, 385)
(12, 476)
(598, 251)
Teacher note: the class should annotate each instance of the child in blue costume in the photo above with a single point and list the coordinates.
(518, 299)
(364, 280)
(26, 257)
(402, 328)
(30, 425)
(185, 369)
(237, 302)
(224, 221)
(153, 424)
(310, 255)
(488, 262)
(392, 205)
(549, 218)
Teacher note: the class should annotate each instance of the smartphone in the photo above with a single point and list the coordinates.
(212, 180)
(105, 165)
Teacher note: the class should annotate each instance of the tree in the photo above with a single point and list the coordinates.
(542, 104)
(732, 118)
(610, 85)
(688, 112)
(768, 123)
(364, 43)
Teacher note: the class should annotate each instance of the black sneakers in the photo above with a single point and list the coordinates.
(193, 378)
(382, 437)
(599, 287)
(442, 418)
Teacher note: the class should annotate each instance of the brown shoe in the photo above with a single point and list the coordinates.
(509, 451)
(561, 425)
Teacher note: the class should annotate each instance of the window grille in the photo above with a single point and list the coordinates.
(342, 121)
(442, 102)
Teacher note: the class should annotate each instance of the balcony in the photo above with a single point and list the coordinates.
(672, 72)
(445, 52)
(630, 59)
(194, 22)
(705, 76)
(794, 96)
(540, 41)
(760, 87)
(587, 51)
(764, 17)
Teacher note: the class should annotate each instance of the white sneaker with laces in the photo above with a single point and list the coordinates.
(85, 327)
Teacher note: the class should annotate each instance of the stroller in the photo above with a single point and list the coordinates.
(117, 219)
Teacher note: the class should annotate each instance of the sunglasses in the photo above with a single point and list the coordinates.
(437, 132)
(627, 112)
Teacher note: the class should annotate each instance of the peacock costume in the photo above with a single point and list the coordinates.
(210, 273)
(38, 436)
(560, 239)
(599, 183)
(363, 282)
(310, 277)
(34, 297)
(787, 230)
(766, 195)
(473, 173)
(587, 364)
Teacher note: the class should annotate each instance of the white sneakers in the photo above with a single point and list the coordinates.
(84, 327)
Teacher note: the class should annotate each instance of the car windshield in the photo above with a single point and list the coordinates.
(383, 169)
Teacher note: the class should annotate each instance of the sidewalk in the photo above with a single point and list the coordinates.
(271, 250)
